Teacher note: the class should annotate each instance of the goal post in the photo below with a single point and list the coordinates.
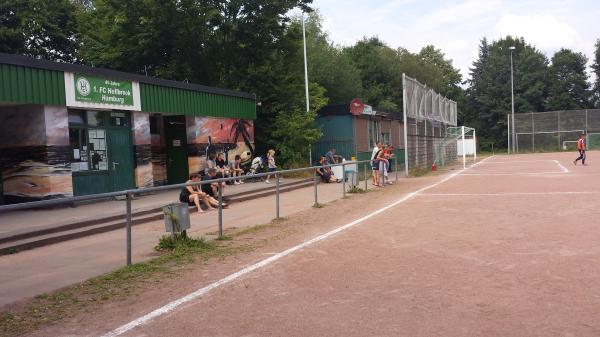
(459, 144)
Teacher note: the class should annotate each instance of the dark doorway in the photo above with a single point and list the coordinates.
(176, 149)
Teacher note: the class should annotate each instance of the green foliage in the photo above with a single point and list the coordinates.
(489, 94)
(39, 28)
(296, 129)
(180, 245)
(569, 88)
(328, 65)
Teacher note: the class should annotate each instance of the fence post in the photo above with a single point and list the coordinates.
(366, 178)
(276, 195)
(128, 226)
(396, 168)
(220, 212)
(344, 179)
(315, 186)
(508, 126)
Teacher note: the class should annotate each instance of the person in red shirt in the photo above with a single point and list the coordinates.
(581, 149)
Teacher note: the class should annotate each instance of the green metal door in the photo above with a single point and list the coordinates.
(176, 149)
(120, 155)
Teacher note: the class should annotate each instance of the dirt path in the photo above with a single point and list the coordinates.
(509, 248)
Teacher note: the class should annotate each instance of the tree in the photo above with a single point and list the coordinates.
(39, 28)
(296, 129)
(596, 68)
(569, 87)
(489, 94)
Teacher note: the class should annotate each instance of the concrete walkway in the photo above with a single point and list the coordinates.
(18, 222)
(33, 272)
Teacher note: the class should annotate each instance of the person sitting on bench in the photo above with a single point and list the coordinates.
(192, 195)
(325, 172)
(212, 189)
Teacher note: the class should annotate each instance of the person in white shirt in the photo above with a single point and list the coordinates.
(374, 165)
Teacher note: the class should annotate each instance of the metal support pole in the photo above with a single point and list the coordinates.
(475, 146)
(366, 177)
(220, 212)
(463, 148)
(396, 168)
(344, 179)
(532, 133)
(404, 112)
(315, 187)
(128, 227)
(512, 98)
(276, 196)
(508, 125)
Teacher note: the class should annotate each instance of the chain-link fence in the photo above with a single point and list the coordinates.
(556, 130)
(427, 116)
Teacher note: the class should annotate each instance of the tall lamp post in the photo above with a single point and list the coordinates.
(306, 84)
(512, 99)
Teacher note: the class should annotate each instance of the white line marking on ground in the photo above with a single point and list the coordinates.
(517, 161)
(505, 194)
(512, 174)
(565, 170)
(198, 293)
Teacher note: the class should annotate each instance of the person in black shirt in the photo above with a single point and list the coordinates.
(192, 195)
(212, 189)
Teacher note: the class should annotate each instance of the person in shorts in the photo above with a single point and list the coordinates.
(325, 172)
(581, 148)
(271, 163)
(375, 163)
(192, 195)
(212, 189)
(235, 169)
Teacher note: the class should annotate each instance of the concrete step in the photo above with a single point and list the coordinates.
(75, 230)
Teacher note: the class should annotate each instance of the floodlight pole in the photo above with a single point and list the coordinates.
(512, 98)
(306, 84)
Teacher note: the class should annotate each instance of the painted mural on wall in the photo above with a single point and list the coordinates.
(158, 157)
(142, 144)
(207, 135)
(35, 153)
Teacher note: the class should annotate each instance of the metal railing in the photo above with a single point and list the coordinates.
(129, 194)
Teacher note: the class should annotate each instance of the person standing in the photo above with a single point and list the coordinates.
(271, 163)
(375, 163)
(581, 149)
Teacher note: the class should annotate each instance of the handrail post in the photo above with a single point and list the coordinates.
(344, 179)
(276, 195)
(366, 177)
(220, 213)
(315, 186)
(128, 197)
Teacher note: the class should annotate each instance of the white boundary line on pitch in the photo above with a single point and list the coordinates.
(565, 170)
(505, 194)
(517, 161)
(512, 174)
(228, 279)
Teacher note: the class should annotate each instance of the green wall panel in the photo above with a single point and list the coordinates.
(31, 85)
(166, 100)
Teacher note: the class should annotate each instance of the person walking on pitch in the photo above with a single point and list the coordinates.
(581, 149)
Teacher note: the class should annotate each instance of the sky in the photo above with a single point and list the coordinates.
(457, 27)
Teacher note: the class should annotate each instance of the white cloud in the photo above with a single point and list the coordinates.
(457, 26)
(544, 31)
